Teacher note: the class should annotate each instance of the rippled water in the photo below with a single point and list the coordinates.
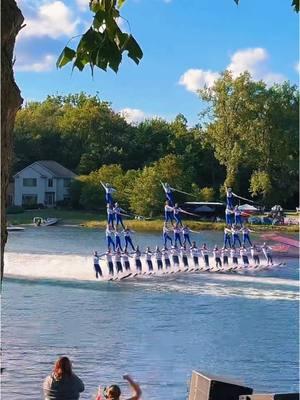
(158, 329)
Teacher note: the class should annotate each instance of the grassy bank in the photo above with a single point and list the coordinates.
(97, 220)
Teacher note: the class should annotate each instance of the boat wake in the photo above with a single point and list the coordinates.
(77, 268)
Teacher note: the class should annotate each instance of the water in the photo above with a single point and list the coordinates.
(158, 329)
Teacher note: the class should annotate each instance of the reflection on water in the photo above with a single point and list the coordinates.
(245, 327)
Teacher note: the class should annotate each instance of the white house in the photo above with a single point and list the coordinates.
(43, 182)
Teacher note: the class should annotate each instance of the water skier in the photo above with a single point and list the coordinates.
(176, 214)
(108, 233)
(244, 255)
(168, 212)
(108, 192)
(109, 261)
(169, 193)
(118, 215)
(184, 257)
(238, 216)
(246, 237)
(148, 255)
(137, 258)
(255, 254)
(118, 239)
(234, 256)
(166, 237)
(225, 253)
(125, 257)
(118, 264)
(267, 250)
(186, 234)
(227, 237)
(127, 237)
(110, 215)
(175, 256)
(229, 197)
(195, 254)
(158, 256)
(217, 255)
(165, 253)
(235, 235)
(205, 253)
(229, 215)
(97, 267)
(177, 238)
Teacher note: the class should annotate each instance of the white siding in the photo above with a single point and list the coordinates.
(42, 175)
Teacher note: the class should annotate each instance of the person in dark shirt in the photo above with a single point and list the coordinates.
(62, 383)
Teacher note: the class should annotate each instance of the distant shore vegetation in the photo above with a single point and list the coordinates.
(247, 138)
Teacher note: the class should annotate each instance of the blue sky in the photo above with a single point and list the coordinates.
(186, 43)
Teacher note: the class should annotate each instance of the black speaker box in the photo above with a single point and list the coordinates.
(271, 396)
(208, 387)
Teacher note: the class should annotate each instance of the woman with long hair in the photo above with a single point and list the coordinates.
(62, 383)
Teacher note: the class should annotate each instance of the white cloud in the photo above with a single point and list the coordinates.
(133, 115)
(247, 60)
(83, 4)
(253, 60)
(53, 20)
(195, 79)
(297, 67)
(46, 64)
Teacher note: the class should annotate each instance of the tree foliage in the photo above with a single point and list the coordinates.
(254, 131)
(248, 132)
(104, 43)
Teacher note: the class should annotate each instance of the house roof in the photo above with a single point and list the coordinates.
(56, 169)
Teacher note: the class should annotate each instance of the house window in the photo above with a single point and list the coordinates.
(29, 199)
(50, 182)
(29, 182)
(67, 182)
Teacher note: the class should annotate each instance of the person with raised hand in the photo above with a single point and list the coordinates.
(113, 392)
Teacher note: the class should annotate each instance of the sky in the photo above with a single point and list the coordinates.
(186, 44)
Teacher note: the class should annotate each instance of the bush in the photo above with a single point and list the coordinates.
(14, 210)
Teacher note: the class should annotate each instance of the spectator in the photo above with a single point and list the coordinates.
(62, 384)
(113, 392)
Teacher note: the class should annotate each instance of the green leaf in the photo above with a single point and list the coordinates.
(134, 50)
(295, 4)
(65, 57)
(97, 5)
(120, 3)
(78, 63)
(99, 19)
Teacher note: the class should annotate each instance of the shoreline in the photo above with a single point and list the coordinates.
(98, 220)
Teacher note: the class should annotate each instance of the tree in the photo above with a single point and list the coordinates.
(147, 195)
(101, 46)
(254, 132)
(11, 100)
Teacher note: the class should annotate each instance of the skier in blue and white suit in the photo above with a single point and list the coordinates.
(108, 192)
(169, 193)
(118, 215)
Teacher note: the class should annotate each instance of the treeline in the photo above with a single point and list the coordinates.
(246, 138)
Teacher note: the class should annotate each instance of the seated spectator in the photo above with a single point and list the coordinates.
(113, 392)
(62, 383)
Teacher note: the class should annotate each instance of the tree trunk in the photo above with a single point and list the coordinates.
(11, 100)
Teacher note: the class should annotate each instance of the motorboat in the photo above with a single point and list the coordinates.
(39, 221)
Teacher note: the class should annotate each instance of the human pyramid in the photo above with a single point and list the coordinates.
(183, 255)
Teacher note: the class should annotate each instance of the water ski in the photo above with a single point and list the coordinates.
(126, 276)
